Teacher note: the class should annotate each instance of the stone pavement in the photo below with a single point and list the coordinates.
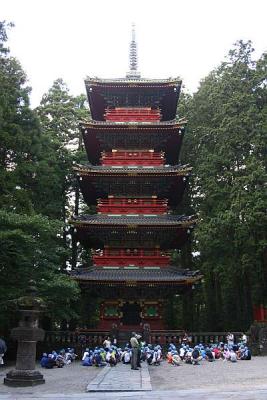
(121, 379)
(258, 394)
(246, 380)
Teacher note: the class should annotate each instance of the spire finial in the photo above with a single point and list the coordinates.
(133, 73)
(133, 32)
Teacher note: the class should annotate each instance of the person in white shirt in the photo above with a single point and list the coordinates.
(244, 338)
(230, 339)
(182, 353)
(107, 343)
(233, 356)
(85, 354)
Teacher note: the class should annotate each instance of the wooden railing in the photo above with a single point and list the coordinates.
(86, 338)
(132, 114)
(75, 339)
(167, 337)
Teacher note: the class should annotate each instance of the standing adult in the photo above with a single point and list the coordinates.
(3, 349)
(135, 346)
(107, 343)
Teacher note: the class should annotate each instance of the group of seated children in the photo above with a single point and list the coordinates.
(212, 352)
(54, 359)
(110, 354)
(100, 357)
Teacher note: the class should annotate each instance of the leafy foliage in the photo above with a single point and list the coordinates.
(31, 244)
(30, 248)
(226, 144)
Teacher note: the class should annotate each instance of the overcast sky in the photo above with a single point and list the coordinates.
(75, 38)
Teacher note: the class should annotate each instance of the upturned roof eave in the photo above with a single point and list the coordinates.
(139, 282)
(168, 276)
(124, 221)
(93, 124)
(103, 170)
(134, 81)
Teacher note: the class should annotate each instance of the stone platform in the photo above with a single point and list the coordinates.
(121, 379)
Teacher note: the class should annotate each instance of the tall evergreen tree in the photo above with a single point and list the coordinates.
(19, 134)
(226, 145)
(30, 243)
(59, 114)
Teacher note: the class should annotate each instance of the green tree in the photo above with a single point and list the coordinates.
(59, 114)
(31, 249)
(226, 146)
(31, 244)
(19, 134)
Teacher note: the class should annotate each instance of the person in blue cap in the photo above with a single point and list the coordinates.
(44, 360)
(87, 359)
(195, 356)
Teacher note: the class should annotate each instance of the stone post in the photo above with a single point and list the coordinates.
(27, 334)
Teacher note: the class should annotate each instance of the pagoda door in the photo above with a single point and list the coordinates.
(131, 314)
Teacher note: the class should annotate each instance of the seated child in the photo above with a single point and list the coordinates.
(44, 360)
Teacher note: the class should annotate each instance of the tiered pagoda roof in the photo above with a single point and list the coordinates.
(163, 181)
(136, 220)
(132, 275)
(125, 92)
(161, 136)
(168, 231)
(88, 169)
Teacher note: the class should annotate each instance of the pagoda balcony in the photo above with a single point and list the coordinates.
(145, 158)
(131, 261)
(102, 136)
(132, 206)
(131, 257)
(125, 114)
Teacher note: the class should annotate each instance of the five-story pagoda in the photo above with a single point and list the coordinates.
(134, 178)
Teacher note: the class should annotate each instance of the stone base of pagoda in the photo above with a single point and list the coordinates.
(23, 378)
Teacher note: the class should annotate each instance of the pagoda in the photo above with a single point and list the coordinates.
(134, 180)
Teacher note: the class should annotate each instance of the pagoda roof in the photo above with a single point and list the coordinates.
(167, 231)
(175, 123)
(136, 220)
(181, 170)
(102, 181)
(125, 92)
(134, 81)
(117, 275)
(161, 136)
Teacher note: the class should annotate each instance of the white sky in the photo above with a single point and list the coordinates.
(72, 39)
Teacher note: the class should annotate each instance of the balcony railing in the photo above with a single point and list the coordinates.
(132, 206)
(132, 114)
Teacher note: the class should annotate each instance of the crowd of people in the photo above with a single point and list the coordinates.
(58, 359)
(137, 351)
(220, 351)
